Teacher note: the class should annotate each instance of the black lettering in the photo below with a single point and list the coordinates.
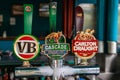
(31, 47)
(20, 47)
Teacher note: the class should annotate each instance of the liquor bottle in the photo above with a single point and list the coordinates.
(5, 76)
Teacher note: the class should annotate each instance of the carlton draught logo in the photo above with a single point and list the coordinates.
(85, 44)
(26, 47)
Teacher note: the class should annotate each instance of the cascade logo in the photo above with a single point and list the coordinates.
(26, 47)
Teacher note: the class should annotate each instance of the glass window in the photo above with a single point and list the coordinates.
(89, 16)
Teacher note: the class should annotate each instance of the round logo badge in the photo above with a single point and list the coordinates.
(85, 44)
(26, 47)
(28, 8)
(55, 46)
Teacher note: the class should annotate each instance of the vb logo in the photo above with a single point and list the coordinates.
(28, 8)
(26, 47)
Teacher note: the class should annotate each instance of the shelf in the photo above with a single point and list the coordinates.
(13, 38)
(8, 38)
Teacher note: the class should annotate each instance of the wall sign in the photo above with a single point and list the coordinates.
(17, 9)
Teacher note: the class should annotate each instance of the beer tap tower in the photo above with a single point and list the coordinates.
(55, 48)
(26, 47)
